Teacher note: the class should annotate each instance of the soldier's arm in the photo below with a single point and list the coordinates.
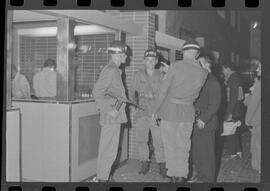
(214, 102)
(100, 90)
(134, 94)
(163, 90)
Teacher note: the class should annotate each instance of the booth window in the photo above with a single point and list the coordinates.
(37, 44)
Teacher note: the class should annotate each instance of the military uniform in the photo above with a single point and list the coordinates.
(145, 85)
(174, 105)
(203, 140)
(109, 82)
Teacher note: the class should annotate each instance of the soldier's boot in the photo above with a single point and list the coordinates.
(145, 167)
(193, 178)
(173, 179)
(163, 169)
(178, 179)
(181, 180)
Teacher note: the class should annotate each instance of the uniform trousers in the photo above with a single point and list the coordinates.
(177, 142)
(108, 147)
(203, 154)
(143, 125)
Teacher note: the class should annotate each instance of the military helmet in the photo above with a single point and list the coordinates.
(191, 44)
(150, 53)
(117, 47)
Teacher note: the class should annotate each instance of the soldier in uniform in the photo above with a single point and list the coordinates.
(111, 116)
(174, 105)
(145, 87)
(203, 136)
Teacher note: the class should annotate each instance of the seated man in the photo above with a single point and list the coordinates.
(44, 82)
(20, 85)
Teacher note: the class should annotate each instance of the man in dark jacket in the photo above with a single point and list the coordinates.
(203, 137)
(174, 105)
(234, 110)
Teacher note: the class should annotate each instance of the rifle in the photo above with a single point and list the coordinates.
(120, 100)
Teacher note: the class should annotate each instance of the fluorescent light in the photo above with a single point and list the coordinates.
(38, 32)
(91, 29)
(52, 31)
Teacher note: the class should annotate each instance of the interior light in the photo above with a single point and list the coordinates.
(52, 31)
(255, 24)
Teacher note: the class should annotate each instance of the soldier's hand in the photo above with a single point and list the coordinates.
(200, 124)
(133, 109)
(154, 117)
(113, 113)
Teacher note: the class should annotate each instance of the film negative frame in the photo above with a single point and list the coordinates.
(262, 5)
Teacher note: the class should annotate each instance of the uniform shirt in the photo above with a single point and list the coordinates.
(44, 83)
(20, 87)
(208, 102)
(182, 84)
(146, 84)
(109, 81)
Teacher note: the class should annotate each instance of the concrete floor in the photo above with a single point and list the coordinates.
(231, 170)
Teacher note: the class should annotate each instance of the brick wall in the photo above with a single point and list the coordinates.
(138, 45)
(35, 50)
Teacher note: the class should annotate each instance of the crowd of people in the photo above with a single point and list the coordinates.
(179, 105)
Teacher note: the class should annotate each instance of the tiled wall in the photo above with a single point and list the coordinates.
(138, 44)
(35, 50)
(92, 62)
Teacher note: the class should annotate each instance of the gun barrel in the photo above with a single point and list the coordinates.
(120, 98)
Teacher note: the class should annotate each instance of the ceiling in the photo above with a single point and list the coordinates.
(252, 15)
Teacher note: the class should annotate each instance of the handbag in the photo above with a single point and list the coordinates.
(229, 127)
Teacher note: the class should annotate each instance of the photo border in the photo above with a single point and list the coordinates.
(162, 5)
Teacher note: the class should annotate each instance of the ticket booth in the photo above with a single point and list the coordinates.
(56, 140)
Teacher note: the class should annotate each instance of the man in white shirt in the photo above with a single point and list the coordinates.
(44, 82)
(20, 85)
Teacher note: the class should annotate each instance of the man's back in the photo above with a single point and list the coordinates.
(187, 80)
(44, 83)
(180, 89)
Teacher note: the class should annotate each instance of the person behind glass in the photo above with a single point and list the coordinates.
(253, 118)
(111, 117)
(44, 82)
(20, 85)
(203, 136)
(234, 109)
(174, 105)
(145, 87)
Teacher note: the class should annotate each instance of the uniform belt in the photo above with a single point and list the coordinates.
(180, 101)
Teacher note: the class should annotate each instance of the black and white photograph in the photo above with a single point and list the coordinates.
(133, 96)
